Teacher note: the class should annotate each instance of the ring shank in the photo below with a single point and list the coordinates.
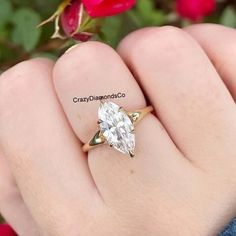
(96, 140)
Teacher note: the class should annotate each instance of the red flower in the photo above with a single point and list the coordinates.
(98, 8)
(79, 19)
(195, 9)
(6, 230)
(71, 20)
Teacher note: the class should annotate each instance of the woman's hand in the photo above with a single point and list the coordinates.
(182, 180)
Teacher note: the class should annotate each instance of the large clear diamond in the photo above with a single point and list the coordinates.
(116, 127)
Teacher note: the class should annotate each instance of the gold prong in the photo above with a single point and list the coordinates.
(99, 121)
(131, 154)
(97, 139)
(134, 116)
(121, 109)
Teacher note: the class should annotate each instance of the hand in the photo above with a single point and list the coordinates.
(182, 180)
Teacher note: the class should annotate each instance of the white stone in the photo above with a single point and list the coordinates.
(116, 127)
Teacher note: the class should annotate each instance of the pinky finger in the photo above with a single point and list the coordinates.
(12, 206)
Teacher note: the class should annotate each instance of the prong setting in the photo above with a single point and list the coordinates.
(131, 154)
(99, 121)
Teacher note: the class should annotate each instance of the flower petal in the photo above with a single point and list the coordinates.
(6, 230)
(102, 8)
(195, 9)
(70, 17)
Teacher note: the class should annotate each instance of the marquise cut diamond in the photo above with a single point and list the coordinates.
(116, 127)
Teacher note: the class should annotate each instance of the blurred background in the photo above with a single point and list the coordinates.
(21, 40)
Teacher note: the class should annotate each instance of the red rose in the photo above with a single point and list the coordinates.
(6, 230)
(195, 9)
(71, 20)
(73, 17)
(79, 19)
(98, 8)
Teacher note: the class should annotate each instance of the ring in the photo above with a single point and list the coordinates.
(116, 127)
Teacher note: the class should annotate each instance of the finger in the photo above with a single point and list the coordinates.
(95, 69)
(12, 206)
(219, 44)
(44, 155)
(189, 97)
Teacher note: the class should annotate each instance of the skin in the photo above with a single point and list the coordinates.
(182, 180)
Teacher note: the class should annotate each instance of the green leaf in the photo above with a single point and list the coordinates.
(157, 18)
(145, 7)
(135, 19)
(146, 14)
(25, 32)
(111, 30)
(45, 7)
(5, 12)
(228, 17)
(4, 33)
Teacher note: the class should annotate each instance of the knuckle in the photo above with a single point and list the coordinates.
(18, 86)
(163, 42)
(85, 57)
(81, 56)
(197, 27)
(18, 79)
(92, 49)
(89, 50)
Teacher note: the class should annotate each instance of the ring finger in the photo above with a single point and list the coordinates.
(95, 69)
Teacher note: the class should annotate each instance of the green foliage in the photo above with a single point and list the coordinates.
(228, 17)
(5, 12)
(146, 14)
(111, 30)
(25, 32)
(21, 40)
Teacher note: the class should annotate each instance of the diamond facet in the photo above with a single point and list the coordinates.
(116, 127)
